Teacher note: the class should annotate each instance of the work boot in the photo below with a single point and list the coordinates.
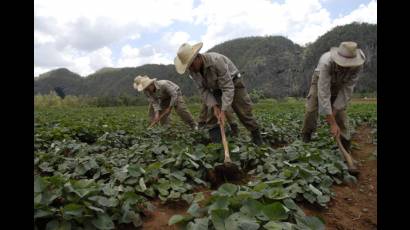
(234, 129)
(256, 137)
(306, 137)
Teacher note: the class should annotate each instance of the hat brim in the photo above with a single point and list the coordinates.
(347, 62)
(141, 88)
(181, 67)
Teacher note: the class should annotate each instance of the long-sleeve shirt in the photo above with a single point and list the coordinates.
(334, 82)
(164, 90)
(218, 71)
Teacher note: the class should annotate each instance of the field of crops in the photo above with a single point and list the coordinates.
(100, 168)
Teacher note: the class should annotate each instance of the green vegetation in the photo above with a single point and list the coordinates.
(99, 168)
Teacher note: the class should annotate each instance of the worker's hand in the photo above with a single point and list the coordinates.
(222, 117)
(334, 111)
(217, 111)
(335, 130)
(156, 117)
(167, 110)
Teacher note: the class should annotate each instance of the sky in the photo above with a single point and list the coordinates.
(87, 35)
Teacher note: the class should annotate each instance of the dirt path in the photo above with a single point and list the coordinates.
(355, 206)
(158, 219)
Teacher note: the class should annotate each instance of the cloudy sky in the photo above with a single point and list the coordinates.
(86, 35)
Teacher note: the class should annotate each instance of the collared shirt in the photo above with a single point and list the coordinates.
(218, 71)
(334, 82)
(164, 90)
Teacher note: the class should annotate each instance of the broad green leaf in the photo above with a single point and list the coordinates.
(260, 187)
(199, 224)
(227, 189)
(103, 222)
(95, 208)
(218, 217)
(142, 184)
(256, 195)
(81, 187)
(49, 195)
(189, 198)
(323, 199)
(153, 166)
(175, 219)
(243, 195)
(167, 161)
(315, 190)
(275, 211)
(42, 213)
(174, 195)
(276, 193)
(310, 222)
(104, 201)
(219, 203)
(239, 221)
(39, 184)
(56, 225)
(37, 199)
(73, 210)
(290, 204)
(274, 225)
(135, 170)
(191, 156)
(199, 197)
(194, 164)
(199, 181)
(251, 207)
(179, 175)
(194, 210)
(309, 197)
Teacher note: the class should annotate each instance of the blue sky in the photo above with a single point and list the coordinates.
(86, 35)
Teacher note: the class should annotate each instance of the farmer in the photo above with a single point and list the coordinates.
(220, 86)
(331, 89)
(163, 95)
(203, 118)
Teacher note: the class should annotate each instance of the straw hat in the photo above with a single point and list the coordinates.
(142, 82)
(185, 55)
(347, 55)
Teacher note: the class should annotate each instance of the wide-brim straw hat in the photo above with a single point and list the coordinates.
(142, 82)
(185, 55)
(347, 55)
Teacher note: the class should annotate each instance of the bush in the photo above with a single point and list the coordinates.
(256, 95)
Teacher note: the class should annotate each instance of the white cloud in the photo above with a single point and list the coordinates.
(77, 29)
(225, 20)
(40, 70)
(80, 35)
(132, 57)
(364, 13)
(300, 21)
(171, 41)
(101, 58)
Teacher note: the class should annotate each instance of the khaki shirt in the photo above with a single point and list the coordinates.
(332, 82)
(164, 90)
(218, 73)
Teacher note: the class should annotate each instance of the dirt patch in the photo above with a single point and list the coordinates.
(354, 206)
(158, 219)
